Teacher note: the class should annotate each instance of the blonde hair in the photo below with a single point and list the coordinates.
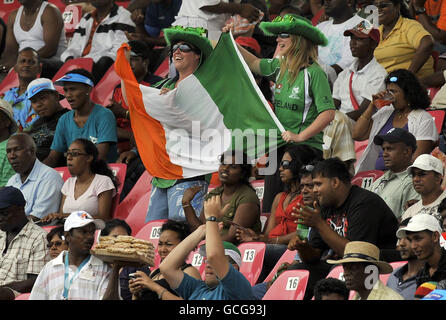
(301, 54)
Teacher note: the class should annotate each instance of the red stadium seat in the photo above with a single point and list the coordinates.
(64, 173)
(23, 296)
(338, 273)
(103, 91)
(48, 228)
(119, 171)
(6, 7)
(141, 188)
(290, 285)
(359, 148)
(10, 81)
(163, 69)
(365, 179)
(252, 260)
(72, 14)
(433, 91)
(137, 216)
(150, 231)
(84, 63)
(288, 256)
(438, 116)
(59, 4)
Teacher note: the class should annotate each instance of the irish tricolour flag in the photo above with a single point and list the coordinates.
(180, 134)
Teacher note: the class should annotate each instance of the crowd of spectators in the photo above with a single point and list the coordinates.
(338, 73)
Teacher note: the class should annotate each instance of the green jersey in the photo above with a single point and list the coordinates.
(293, 108)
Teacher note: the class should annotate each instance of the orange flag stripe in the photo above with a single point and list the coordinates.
(149, 133)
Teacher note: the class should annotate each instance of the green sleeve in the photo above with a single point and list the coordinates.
(269, 68)
(320, 89)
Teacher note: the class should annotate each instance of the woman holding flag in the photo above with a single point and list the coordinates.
(302, 96)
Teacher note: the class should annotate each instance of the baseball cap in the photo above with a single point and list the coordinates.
(420, 222)
(6, 107)
(363, 30)
(397, 135)
(428, 162)
(39, 85)
(10, 196)
(78, 219)
(230, 250)
(250, 43)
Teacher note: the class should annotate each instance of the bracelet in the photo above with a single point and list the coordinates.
(185, 205)
(160, 295)
(362, 116)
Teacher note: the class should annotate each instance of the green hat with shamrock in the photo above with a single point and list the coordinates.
(294, 24)
(194, 36)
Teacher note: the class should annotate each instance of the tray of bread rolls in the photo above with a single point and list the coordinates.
(126, 250)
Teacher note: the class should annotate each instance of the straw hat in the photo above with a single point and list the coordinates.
(360, 251)
(6, 108)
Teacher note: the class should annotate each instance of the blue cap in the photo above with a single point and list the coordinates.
(74, 77)
(39, 85)
(11, 196)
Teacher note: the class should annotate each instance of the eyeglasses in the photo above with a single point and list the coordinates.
(283, 35)
(184, 47)
(74, 154)
(54, 243)
(383, 5)
(285, 164)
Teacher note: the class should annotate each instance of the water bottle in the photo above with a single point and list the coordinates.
(302, 231)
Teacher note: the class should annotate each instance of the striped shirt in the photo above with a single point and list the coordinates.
(26, 254)
(89, 284)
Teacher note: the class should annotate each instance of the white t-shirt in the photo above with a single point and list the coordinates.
(88, 201)
(190, 15)
(366, 82)
(337, 50)
(419, 208)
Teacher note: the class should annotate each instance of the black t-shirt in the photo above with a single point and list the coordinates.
(364, 216)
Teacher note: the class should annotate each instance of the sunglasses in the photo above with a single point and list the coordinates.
(74, 154)
(54, 243)
(283, 35)
(383, 5)
(285, 164)
(308, 168)
(184, 47)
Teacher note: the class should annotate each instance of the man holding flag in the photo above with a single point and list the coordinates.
(183, 124)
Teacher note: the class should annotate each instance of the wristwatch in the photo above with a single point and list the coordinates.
(212, 218)
(420, 11)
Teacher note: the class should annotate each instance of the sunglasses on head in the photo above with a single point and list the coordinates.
(184, 47)
(285, 164)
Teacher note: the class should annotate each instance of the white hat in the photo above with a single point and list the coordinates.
(420, 222)
(78, 219)
(428, 162)
(39, 85)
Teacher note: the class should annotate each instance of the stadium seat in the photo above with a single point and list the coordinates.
(252, 260)
(141, 188)
(259, 186)
(432, 91)
(72, 14)
(365, 179)
(119, 170)
(150, 231)
(287, 256)
(103, 91)
(48, 228)
(64, 173)
(6, 7)
(338, 273)
(84, 63)
(59, 4)
(163, 69)
(290, 285)
(137, 216)
(23, 296)
(10, 81)
(438, 116)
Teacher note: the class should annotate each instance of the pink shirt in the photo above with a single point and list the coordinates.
(88, 201)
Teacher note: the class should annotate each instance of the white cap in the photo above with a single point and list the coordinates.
(78, 219)
(428, 162)
(420, 222)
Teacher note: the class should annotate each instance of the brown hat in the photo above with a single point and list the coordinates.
(6, 107)
(360, 251)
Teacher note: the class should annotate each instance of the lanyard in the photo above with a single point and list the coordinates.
(67, 284)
